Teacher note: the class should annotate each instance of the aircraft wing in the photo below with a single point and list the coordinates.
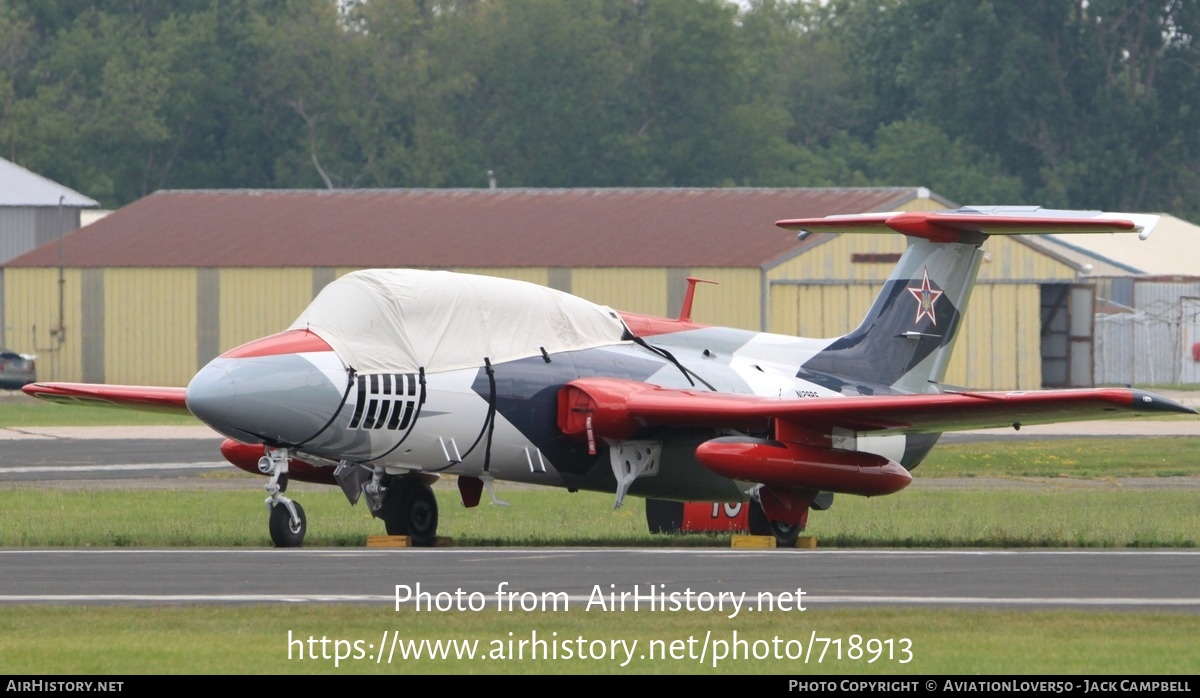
(137, 397)
(617, 408)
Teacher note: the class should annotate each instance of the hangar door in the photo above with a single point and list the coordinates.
(1068, 333)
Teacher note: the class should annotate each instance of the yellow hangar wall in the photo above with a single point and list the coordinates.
(156, 326)
(258, 302)
(31, 313)
(149, 332)
(732, 299)
(150, 326)
(825, 293)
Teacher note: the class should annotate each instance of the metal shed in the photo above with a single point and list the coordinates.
(34, 211)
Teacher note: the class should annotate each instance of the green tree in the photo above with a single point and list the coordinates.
(540, 90)
(119, 103)
(16, 44)
(320, 71)
(1087, 101)
(916, 153)
(99, 110)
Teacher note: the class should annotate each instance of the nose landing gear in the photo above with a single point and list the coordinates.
(287, 523)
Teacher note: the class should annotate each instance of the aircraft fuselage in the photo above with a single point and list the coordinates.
(499, 420)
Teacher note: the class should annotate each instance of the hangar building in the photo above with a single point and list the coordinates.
(159, 287)
(34, 211)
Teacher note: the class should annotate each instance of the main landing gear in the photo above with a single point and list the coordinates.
(405, 503)
(797, 501)
(785, 534)
(410, 509)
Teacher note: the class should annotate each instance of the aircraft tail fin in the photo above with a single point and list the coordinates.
(906, 339)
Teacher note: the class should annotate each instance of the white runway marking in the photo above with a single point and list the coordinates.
(377, 598)
(60, 469)
(190, 598)
(559, 552)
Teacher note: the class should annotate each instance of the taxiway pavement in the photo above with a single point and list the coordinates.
(1086, 579)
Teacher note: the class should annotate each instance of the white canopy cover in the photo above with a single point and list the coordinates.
(399, 320)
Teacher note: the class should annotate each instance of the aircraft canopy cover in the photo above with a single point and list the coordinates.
(399, 320)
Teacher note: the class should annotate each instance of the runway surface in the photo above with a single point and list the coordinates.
(1147, 580)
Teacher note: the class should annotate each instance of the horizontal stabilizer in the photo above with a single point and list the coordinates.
(136, 397)
(958, 225)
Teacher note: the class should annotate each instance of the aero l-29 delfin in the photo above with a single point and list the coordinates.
(391, 378)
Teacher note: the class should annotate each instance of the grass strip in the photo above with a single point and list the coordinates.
(972, 517)
(1158, 456)
(55, 640)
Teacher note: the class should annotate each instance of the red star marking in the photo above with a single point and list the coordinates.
(926, 296)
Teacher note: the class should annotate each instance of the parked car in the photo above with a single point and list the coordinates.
(16, 370)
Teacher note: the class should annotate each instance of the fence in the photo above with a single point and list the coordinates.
(1152, 345)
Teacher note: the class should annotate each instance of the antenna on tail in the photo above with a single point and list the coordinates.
(685, 314)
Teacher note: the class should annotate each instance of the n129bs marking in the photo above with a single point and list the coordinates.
(732, 509)
(715, 516)
(385, 401)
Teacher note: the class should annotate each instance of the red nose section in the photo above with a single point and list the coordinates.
(290, 342)
(245, 457)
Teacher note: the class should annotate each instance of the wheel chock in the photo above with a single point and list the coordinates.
(742, 541)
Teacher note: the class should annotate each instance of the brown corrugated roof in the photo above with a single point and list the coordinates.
(434, 228)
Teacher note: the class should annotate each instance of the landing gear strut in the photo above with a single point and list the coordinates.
(287, 523)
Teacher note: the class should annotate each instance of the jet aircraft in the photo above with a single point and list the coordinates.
(393, 378)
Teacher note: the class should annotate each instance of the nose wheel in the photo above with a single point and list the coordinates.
(287, 526)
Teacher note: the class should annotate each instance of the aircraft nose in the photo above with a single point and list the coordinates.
(281, 399)
(211, 394)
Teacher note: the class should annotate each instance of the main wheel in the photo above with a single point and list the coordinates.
(785, 534)
(663, 516)
(410, 509)
(394, 521)
(286, 533)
